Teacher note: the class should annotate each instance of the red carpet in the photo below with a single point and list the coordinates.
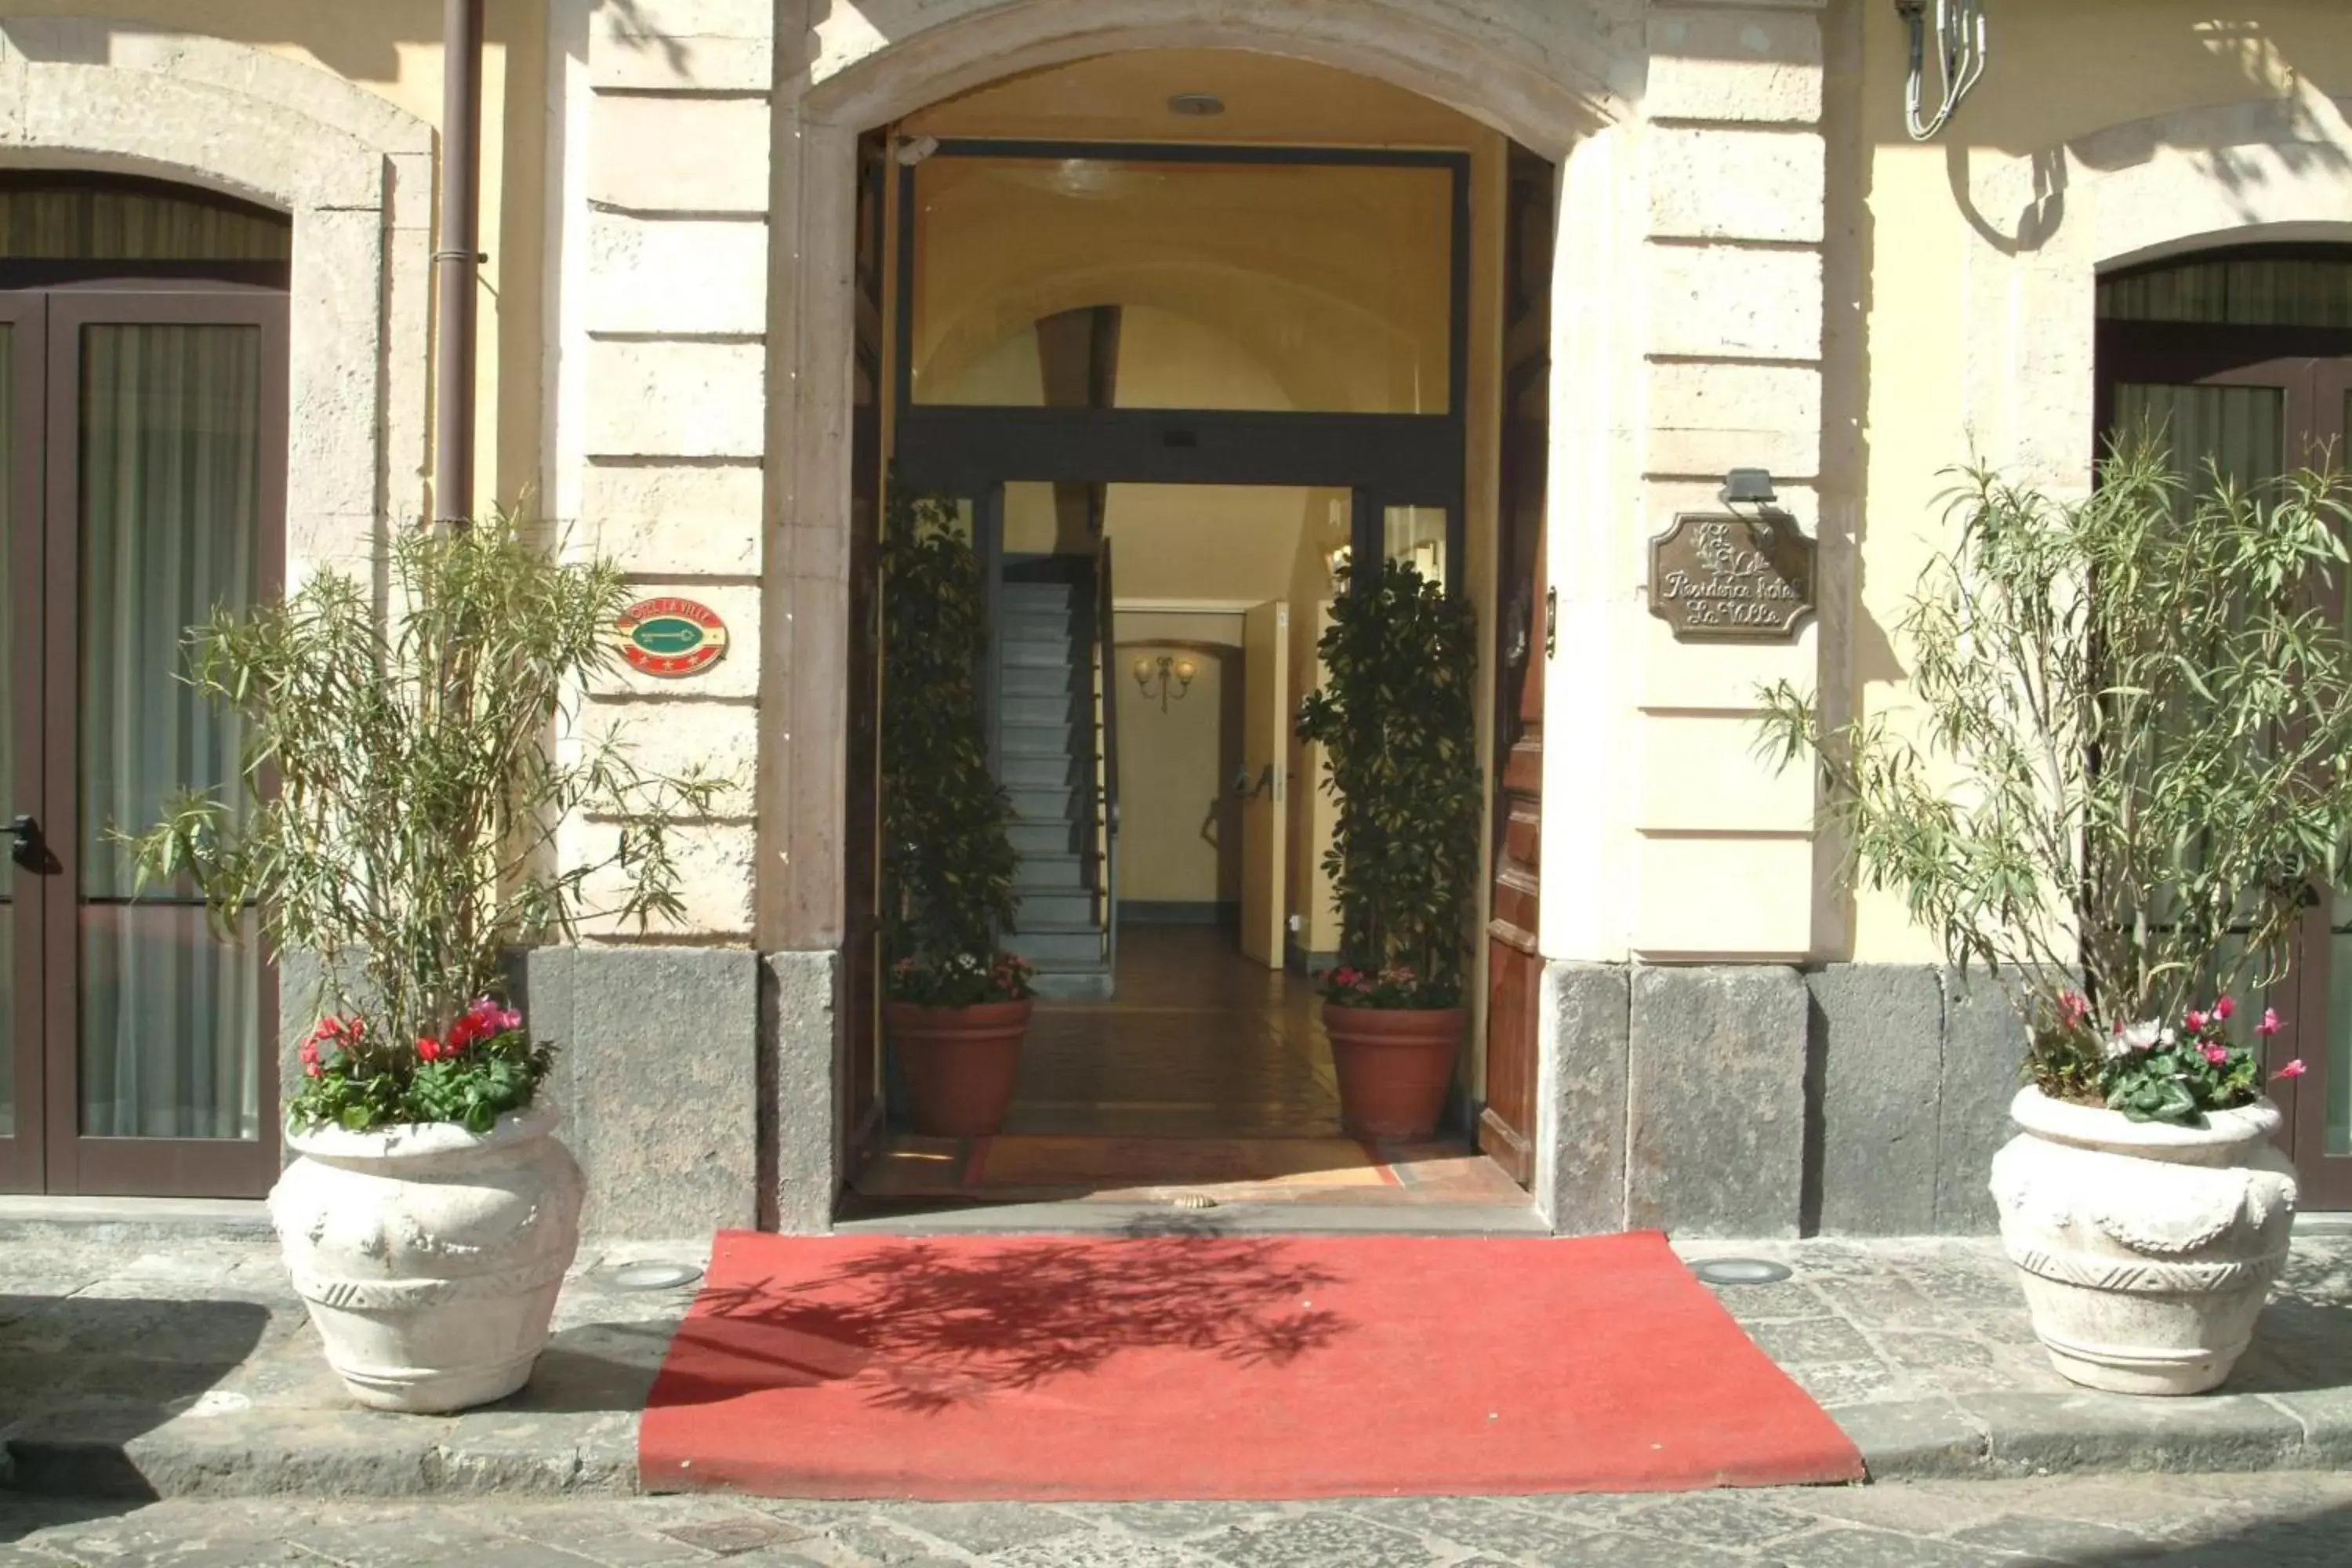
(1209, 1367)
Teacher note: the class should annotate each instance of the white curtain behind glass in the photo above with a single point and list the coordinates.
(171, 467)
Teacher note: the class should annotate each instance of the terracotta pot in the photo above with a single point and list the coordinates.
(2147, 1251)
(959, 1064)
(430, 1257)
(1395, 1065)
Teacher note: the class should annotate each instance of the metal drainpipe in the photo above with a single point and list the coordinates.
(455, 262)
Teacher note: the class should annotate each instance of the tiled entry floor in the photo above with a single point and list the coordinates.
(1196, 1042)
(1207, 1077)
(1223, 1171)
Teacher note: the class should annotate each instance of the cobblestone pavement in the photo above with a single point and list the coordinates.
(135, 1365)
(2257, 1521)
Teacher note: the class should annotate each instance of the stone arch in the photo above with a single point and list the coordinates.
(353, 172)
(2168, 185)
(1551, 74)
(1532, 71)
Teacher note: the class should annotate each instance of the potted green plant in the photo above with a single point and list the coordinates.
(958, 1006)
(406, 774)
(1397, 719)
(2120, 784)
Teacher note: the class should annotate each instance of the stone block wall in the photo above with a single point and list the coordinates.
(1766, 1101)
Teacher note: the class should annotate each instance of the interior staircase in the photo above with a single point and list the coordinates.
(1051, 760)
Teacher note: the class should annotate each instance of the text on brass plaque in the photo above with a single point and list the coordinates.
(1732, 579)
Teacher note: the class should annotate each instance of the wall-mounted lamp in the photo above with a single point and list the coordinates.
(1166, 677)
(1753, 486)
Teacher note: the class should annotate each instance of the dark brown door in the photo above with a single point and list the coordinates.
(23, 406)
(859, 1113)
(147, 490)
(2217, 400)
(1507, 1123)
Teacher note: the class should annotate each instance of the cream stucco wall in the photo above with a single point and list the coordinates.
(1975, 256)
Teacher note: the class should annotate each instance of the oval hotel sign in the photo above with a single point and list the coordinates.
(672, 637)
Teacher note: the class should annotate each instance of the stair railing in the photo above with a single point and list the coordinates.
(1107, 731)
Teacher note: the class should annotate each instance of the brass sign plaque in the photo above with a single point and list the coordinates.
(1715, 577)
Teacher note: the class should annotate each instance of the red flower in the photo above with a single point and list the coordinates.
(2223, 1008)
(2196, 1021)
(428, 1049)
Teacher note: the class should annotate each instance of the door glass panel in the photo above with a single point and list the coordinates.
(65, 217)
(2241, 430)
(1417, 534)
(2283, 291)
(1110, 283)
(169, 530)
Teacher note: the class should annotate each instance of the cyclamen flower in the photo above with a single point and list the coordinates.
(2270, 1024)
(428, 1049)
(2293, 1069)
(2195, 1022)
(2217, 1055)
(2074, 1007)
(2223, 1008)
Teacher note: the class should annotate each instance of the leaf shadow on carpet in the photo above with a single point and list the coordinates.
(925, 1328)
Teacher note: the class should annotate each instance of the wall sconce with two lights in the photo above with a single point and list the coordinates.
(1167, 677)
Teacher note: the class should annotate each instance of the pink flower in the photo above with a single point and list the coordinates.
(312, 1069)
(2223, 1008)
(2196, 1021)
(2270, 1024)
(2217, 1055)
(2293, 1069)
(2073, 1007)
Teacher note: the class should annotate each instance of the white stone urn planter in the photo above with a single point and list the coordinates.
(430, 1257)
(2147, 1249)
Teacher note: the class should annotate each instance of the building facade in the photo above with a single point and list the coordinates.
(1506, 286)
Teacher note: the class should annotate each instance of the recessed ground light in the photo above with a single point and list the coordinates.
(1196, 103)
(651, 1276)
(1739, 1271)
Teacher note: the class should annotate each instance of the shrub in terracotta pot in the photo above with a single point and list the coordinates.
(2120, 785)
(957, 1005)
(1397, 719)
(407, 775)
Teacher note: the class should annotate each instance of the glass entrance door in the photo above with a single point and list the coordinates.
(146, 490)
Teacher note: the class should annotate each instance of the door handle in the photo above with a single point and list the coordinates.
(25, 844)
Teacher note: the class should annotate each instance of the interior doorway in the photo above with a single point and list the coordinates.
(1172, 385)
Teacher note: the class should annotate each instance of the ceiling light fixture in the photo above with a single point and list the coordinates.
(1198, 104)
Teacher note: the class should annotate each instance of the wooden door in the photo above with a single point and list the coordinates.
(145, 490)
(2216, 402)
(1262, 783)
(23, 400)
(1506, 1121)
(858, 1094)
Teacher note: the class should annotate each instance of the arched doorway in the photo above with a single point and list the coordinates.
(1251, 326)
(142, 478)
